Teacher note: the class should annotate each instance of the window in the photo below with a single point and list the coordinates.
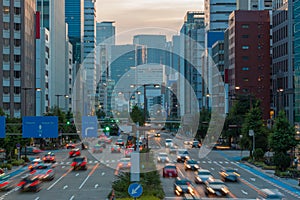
(245, 36)
(17, 26)
(17, 58)
(17, 74)
(6, 25)
(245, 58)
(245, 26)
(6, 42)
(6, 74)
(245, 68)
(245, 47)
(5, 10)
(17, 42)
(6, 106)
(246, 79)
(17, 106)
(6, 90)
(17, 11)
(17, 90)
(5, 57)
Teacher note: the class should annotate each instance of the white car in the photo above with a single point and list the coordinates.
(169, 143)
(163, 158)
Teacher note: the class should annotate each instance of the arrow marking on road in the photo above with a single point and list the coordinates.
(103, 173)
(72, 197)
(65, 187)
(252, 179)
(96, 186)
(133, 191)
(37, 198)
(244, 192)
(77, 174)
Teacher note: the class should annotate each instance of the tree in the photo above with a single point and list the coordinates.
(137, 115)
(253, 121)
(283, 137)
(204, 120)
(100, 114)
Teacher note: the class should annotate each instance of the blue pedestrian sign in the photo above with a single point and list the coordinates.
(89, 126)
(135, 190)
(40, 127)
(2, 127)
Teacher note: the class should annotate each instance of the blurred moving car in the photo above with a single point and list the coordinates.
(49, 158)
(157, 134)
(265, 194)
(124, 163)
(215, 187)
(97, 148)
(79, 163)
(115, 149)
(108, 140)
(70, 145)
(44, 172)
(229, 174)
(196, 144)
(163, 158)
(31, 151)
(5, 183)
(190, 164)
(202, 175)
(74, 153)
(30, 183)
(34, 163)
(170, 171)
(120, 142)
(128, 152)
(169, 143)
(183, 186)
(182, 155)
(173, 149)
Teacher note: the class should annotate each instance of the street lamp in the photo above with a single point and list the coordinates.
(25, 93)
(57, 98)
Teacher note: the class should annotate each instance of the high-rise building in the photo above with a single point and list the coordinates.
(249, 58)
(17, 58)
(74, 11)
(105, 33)
(51, 13)
(254, 4)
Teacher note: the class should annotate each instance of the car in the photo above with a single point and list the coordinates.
(108, 140)
(183, 186)
(202, 175)
(170, 170)
(70, 145)
(265, 194)
(79, 163)
(5, 183)
(74, 152)
(128, 152)
(124, 163)
(229, 174)
(157, 134)
(163, 158)
(49, 158)
(196, 144)
(215, 187)
(44, 172)
(218, 146)
(173, 149)
(168, 143)
(120, 142)
(190, 164)
(182, 155)
(31, 150)
(115, 149)
(34, 163)
(98, 148)
(30, 183)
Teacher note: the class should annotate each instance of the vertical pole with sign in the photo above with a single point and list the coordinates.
(135, 160)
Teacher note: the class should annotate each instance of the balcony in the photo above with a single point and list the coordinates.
(17, 98)
(6, 82)
(6, 98)
(6, 66)
(17, 3)
(17, 19)
(17, 67)
(6, 18)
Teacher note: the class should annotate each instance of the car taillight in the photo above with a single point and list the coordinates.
(83, 164)
(52, 158)
(73, 164)
(49, 171)
(32, 172)
(21, 183)
(44, 158)
(34, 183)
(4, 184)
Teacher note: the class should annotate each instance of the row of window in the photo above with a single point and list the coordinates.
(6, 74)
(6, 26)
(6, 42)
(6, 10)
(17, 58)
(280, 34)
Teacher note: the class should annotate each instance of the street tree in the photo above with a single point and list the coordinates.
(137, 115)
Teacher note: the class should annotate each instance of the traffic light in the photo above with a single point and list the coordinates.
(68, 122)
(107, 129)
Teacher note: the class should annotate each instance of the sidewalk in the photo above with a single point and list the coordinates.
(271, 173)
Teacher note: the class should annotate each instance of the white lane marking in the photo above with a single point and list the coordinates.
(180, 172)
(65, 187)
(90, 161)
(72, 197)
(77, 174)
(96, 161)
(37, 198)
(103, 173)
(96, 186)
(209, 162)
(63, 167)
(220, 162)
(203, 161)
(51, 186)
(212, 168)
(84, 182)
(244, 192)
(252, 179)
(226, 162)
(67, 163)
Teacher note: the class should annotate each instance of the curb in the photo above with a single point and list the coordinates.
(273, 175)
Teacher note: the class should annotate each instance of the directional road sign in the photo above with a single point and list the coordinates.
(40, 127)
(135, 190)
(2, 127)
(89, 126)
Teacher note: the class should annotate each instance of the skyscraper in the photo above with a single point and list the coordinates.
(105, 33)
(17, 58)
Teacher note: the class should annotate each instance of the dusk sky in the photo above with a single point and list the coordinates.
(145, 16)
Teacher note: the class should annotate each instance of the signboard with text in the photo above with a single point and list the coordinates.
(40, 127)
(2, 127)
(89, 126)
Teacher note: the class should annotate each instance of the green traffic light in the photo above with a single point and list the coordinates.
(107, 128)
(68, 122)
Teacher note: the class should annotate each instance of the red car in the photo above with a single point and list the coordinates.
(74, 153)
(115, 149)
(170, 171)
(79, 163)
(49, 158)
(70, 145)
(120, 142)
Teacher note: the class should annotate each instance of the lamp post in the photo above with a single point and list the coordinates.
(57, 98)
(280, 102)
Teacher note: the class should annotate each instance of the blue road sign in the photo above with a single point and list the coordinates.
(2, 127)
(40, 127)
(135, 190)
(89, 126)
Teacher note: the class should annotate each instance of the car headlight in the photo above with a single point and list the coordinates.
(178, 189)
(196, 166)
(188, 166)
(187, 157)
(210, 190)
(199, 179)
(225, 190)
(179, 157)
